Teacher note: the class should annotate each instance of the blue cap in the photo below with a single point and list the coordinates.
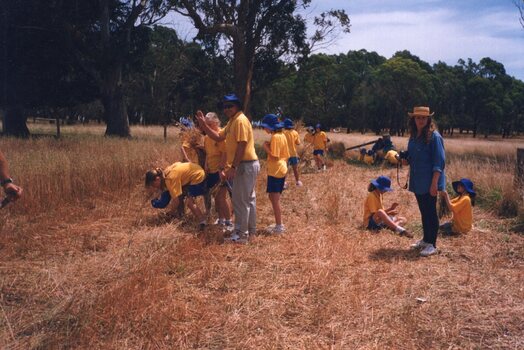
(383, 183)
(371, 152)
(363, 151)
(288, 123)
(468, 186)
(270, 121)
(318, 126)
(231, 98)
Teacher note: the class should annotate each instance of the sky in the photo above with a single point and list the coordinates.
(434, 30)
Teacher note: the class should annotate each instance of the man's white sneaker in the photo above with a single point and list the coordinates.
(429, 250)
(237, 237)
(420, 245)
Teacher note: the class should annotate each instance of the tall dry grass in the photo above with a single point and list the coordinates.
(102, 271)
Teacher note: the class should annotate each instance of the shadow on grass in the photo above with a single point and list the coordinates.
(391, 254)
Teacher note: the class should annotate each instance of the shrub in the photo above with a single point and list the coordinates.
(336, 150)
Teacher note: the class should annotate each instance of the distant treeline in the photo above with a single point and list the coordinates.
(162, 78)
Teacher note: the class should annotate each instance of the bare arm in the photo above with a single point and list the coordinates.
(209, 132)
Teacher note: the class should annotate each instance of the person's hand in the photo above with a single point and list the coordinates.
(394, 205)
(433, 190)
(12, 191)
(444, 193)
(230, 173)
(200, 117)
(405, 162)
(222, 175)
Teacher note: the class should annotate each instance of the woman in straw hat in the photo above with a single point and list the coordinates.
(426, 174)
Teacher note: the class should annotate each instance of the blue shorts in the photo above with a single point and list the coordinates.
(212, 179)
(373, 226)
(293, 160)
(319, 152)
(197, 190)
(275, 184)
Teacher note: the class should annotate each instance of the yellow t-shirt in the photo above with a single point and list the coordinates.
(462, 214)
(214, 152)
(181, 174)
(278, 156)
(372, 205)
(319, 141)
(391, 157)
(239, 129)
(190, 152)
(368, 159)
(292, 141)
(308, 138)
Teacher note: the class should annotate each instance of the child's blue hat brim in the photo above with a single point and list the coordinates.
(467, 184)
(383, 183)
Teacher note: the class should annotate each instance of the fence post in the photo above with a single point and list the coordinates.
(57, 127)
(165, 132)
(519, 178)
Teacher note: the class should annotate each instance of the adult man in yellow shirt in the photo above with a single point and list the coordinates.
(242, 165)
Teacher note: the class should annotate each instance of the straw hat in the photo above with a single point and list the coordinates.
(421, 111)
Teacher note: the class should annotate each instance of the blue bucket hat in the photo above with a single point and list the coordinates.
(270, 121)
(288, 124)
(383, 183)
(231, 98)
(468, 186)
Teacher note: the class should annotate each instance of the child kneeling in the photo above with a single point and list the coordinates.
(461, 207)
(375, 216)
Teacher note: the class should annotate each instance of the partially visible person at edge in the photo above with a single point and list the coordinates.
(320, 141)
(242, 165)
(277, 157)
(426, 174)
(12, 191)
(461, 207)
(293, 140)
(214, 167)
(171, 181)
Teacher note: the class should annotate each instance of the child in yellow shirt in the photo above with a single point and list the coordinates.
(172, 180)
(461, 207)
(320, 141)
(277, 157)
(375, 216)
(293, 140)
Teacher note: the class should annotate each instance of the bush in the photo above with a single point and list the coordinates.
(260, 151)
(337, 150)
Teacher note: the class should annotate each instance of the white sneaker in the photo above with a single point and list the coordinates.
(278, 229)
(299, 183)
(286, 185)
(429, 250)
(420, 245)
(324, 167)
(237, 237)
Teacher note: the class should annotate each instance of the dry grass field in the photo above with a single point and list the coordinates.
(86, 263)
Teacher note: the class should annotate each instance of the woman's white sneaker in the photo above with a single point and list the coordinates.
(429, 250)
(420, 244)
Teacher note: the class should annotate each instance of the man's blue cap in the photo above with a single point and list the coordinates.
(383, 183)
(231, 98)
(288, 124)
(270, 121)
(468, 186)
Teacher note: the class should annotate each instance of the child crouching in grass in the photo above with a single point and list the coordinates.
(375, 216)
(461, 207)
(277, 157)
(171, 180)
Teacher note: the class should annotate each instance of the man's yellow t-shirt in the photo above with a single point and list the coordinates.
(214, 152)
(391, 157)
(319, 141)
(292, 141)
(462, 221)
(239, 129)
(278, 155)
(372, 205)
(181, 174)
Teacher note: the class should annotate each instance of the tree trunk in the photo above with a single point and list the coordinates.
(244, 65)
(14, 123)
(115, 114)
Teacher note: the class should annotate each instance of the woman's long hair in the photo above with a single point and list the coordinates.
(427, 131)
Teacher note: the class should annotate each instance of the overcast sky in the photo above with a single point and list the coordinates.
(434, 30)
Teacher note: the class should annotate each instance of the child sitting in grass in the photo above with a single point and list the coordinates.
(375, 216)
(277, 156)
(461, 207)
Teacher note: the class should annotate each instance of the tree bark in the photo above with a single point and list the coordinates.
(115, 113)
(14, 123)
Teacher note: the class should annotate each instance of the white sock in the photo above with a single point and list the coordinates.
(400, 229)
